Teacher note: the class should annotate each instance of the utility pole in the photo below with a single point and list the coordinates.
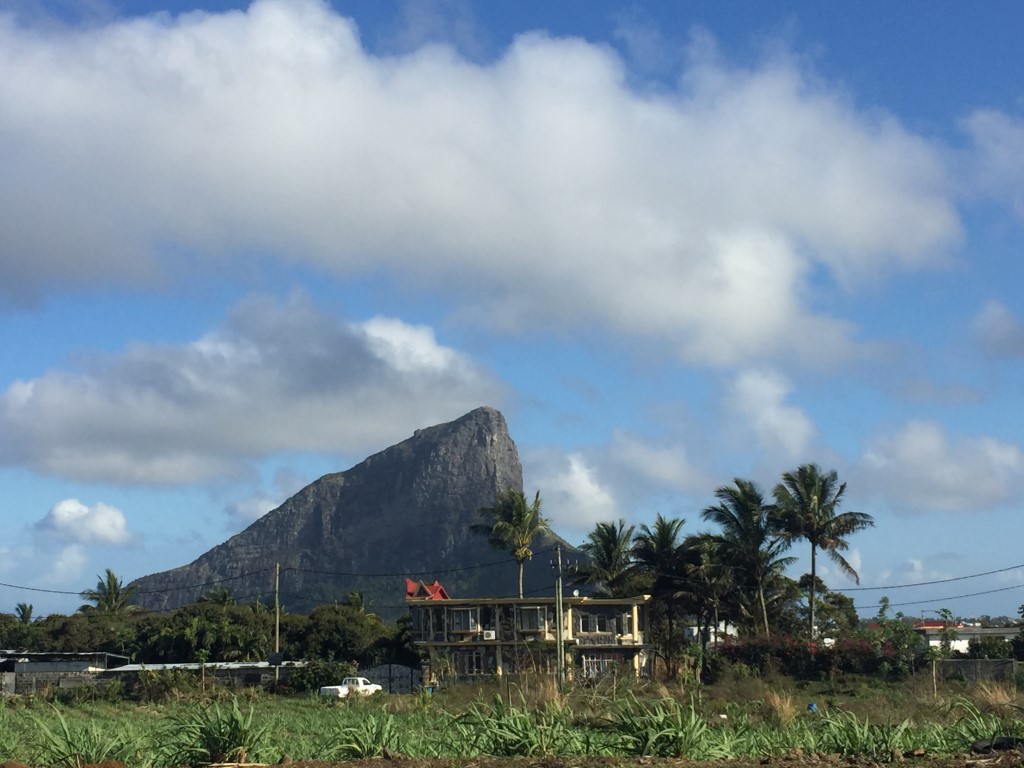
(277, 622)
(559, 618)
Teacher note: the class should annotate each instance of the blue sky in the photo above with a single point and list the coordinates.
(674, 243)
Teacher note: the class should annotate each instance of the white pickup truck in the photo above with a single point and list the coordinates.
(357, 685)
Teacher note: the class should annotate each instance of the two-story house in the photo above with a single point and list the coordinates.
(495, 636)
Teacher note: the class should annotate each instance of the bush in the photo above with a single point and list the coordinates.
(214, 734)
(989, 648)
(803, 660)
(317, 674)
(161, 685)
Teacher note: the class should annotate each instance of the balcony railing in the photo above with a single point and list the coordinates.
(596, 638)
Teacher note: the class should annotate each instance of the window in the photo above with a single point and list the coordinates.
(469, 663)
(592, 622)
(626, 622)
(463, 620)
(531, 619)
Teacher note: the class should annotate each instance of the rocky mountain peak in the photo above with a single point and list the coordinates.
(405, 511)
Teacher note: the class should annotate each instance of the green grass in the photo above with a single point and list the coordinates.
(510, 719)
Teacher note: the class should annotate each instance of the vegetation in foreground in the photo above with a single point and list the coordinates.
(744, 717)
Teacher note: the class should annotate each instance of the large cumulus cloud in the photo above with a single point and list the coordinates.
(922, 467)
(540, 189)
(276, 377)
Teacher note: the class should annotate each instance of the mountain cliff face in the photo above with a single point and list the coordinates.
(405, 511)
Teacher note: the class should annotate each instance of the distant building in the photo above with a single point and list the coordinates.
(233, 674)
(25, 672)
(495, 636)
(932, 631)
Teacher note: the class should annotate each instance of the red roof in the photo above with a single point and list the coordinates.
(936, 624)
(423, 591)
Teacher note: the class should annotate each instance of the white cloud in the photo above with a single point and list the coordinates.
(921, 468)
(918, 570)
(274, 378)
(829, 572)
(71, 520)
(645, 45)
(408, 348)
(574, 498)
(853, 557)
(999, 146)
(665, 465)
(537, 190)
(425, 22)
(626, 477)
(249, 509)
(756, 402)
(66, 566)
(8, 560)
(999, 332)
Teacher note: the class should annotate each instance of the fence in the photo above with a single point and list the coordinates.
(394, 678)
(973, 670)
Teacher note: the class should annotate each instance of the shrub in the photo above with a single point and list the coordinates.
(317, 674)
(214, 734)
(161, 685)
(74, 746)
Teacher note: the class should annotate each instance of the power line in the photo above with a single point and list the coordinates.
(958, 597)
(214, 582)
(677, 578)
(211, 583)
(935, 581)
(396, 575)
(203, 584)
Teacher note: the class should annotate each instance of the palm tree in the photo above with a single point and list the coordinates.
(608, 548)
(656, 550)
(807, 507)
(747, 541)
(658, 553)
(23, 613)
(512, 524)
(109, 596)
(710, 580)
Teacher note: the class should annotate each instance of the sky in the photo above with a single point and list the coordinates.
(245, 245)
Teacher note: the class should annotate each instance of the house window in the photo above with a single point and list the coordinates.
(592, 622)
(469, 663)
(531, 619)
(463, 620)
(626, 622)
(420, 621)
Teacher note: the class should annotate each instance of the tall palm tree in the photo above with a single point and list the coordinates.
(23, 613)
(656, 550)
(807, 507)
(710, 580)
(511, 524)
(608, 548)
(658, 553)
(109, 596)
(747, 541)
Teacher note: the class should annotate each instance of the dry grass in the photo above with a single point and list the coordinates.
(780, 708)
(995, 697)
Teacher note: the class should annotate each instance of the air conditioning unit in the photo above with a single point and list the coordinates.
(489, 634)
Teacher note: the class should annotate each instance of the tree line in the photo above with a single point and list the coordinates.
(214, 629)
(733, 575)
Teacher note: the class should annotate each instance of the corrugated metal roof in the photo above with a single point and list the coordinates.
(230, 665)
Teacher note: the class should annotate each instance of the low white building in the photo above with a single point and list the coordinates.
(934, 630)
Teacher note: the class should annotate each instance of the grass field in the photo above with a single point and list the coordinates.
(742, 718)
